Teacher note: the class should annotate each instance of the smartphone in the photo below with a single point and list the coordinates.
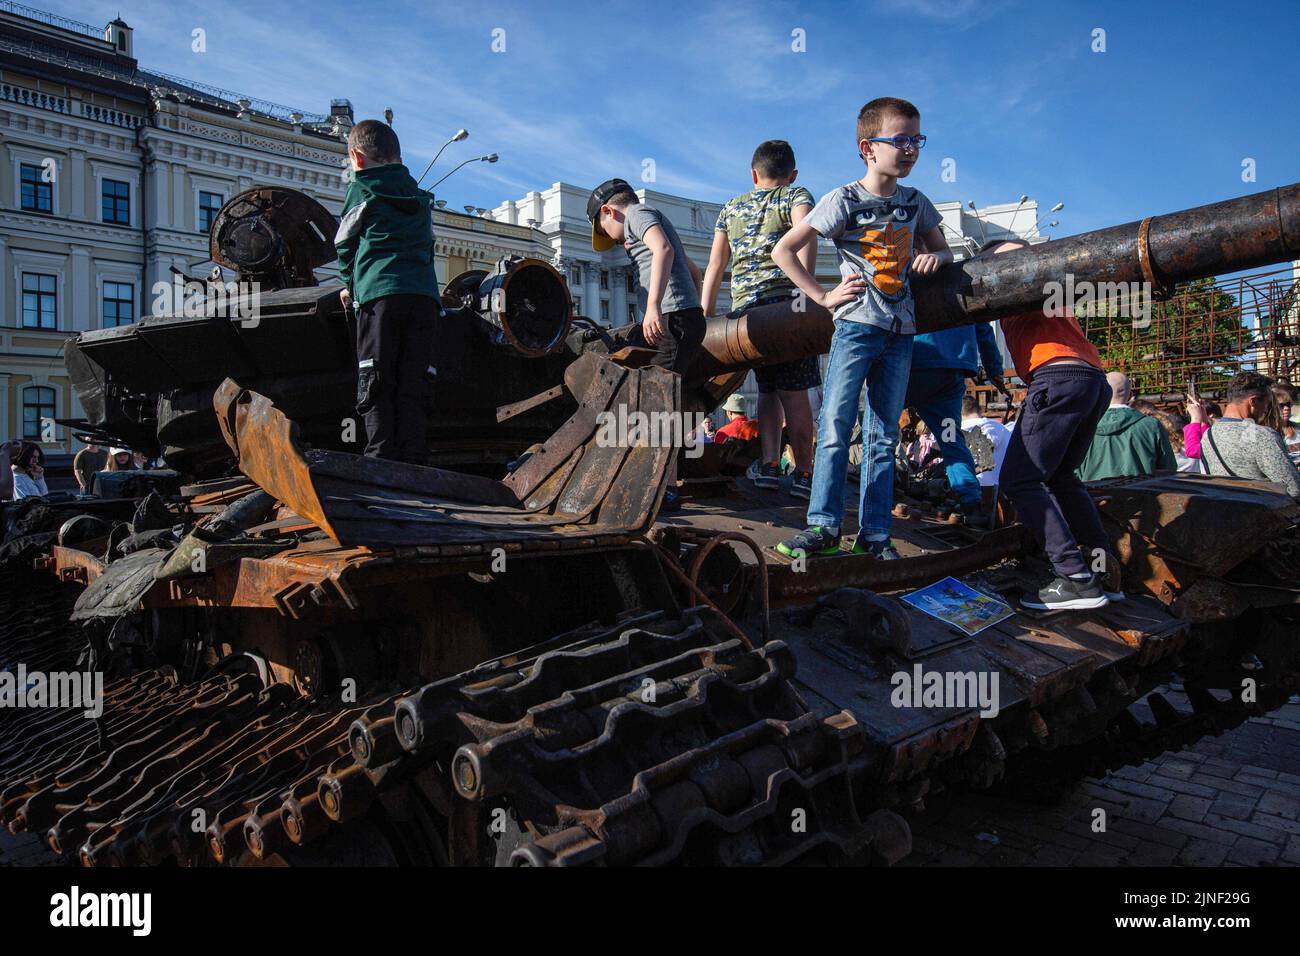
(1191, 390)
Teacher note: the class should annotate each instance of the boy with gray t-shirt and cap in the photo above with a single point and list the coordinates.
(668, 282)
(668, 286)
(875, 224)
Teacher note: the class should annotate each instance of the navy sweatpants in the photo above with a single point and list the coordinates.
(1049, 442)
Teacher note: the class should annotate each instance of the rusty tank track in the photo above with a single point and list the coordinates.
(653, 741)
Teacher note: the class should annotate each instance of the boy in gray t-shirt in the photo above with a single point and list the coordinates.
(874, 237)
(883, 232)
(668, 282)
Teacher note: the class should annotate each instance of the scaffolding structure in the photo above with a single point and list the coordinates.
(1204, 332)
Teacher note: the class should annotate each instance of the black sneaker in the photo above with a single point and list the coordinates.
(1067, 594)
(882, 550)
(768, 475)
(815, 542)
(801, 485)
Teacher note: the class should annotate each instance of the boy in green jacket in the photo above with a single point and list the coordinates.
(385, 248)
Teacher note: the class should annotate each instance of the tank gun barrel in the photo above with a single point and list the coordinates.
(1209, 240)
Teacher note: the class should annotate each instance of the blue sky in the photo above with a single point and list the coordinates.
(1012, 91)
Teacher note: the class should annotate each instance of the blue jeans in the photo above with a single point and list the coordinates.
(860, 353)
(935, 394)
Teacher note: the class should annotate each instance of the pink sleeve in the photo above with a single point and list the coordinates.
(1192, 433)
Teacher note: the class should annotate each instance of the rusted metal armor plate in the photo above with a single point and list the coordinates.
(571, 486)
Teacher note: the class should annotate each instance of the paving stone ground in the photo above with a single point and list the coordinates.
(1232, 800)
(24, 849)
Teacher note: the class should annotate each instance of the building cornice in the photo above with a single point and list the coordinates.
(183, 121)
(17, 224)
(68, 129)
(174, 147)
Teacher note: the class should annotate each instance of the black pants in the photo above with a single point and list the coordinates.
(394, 362)
(677, 349)
(1060, 416)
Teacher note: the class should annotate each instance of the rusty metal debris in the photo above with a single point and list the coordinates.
(570, 485)
(514, 658)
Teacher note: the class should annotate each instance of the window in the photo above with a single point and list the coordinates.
(631, 282)
(40, 301)
(577, 305)
(115, 202)
(37, 194)
(119, 304)
(209, 205)
(575, 276)
(604, 312)
(38, 403)
(631, 313)
(604, 278)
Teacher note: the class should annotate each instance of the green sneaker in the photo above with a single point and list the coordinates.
(883, 550)
(815, 542)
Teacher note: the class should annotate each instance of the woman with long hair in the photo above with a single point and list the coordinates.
(1280, 418)
(1173, 425)
(120, 459)
(28, 470)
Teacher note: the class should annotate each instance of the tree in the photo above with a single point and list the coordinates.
(1197, 333)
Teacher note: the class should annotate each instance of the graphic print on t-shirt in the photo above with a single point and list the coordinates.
(885, 234)
(874, 237)
(889, 251)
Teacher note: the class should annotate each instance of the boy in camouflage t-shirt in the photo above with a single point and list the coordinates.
(748, 228)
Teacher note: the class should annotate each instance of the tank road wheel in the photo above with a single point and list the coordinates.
(655, 741)
(360, 843)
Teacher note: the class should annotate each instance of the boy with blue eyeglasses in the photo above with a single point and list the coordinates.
(876, 224)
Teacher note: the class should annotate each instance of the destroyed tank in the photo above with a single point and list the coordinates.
(514, 658)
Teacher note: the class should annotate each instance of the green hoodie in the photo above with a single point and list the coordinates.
(1127, 444)
(385, 238)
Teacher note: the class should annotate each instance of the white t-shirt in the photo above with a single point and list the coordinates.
(997, 434)
(27, 487)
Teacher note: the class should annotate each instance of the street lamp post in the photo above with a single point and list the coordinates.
(489, 158)
(1057, 208)
(460, 134)
(1012, 227)
(983, 232)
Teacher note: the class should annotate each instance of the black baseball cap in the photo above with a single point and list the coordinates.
(599, 196)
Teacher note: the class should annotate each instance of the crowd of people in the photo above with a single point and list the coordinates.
(1076, 423)
(22, 468)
